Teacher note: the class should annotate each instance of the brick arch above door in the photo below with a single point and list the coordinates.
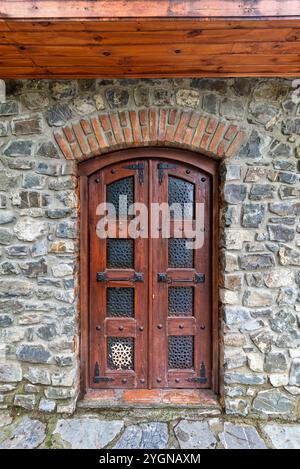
(88, 137)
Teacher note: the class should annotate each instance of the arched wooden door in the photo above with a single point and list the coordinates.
(150, 297)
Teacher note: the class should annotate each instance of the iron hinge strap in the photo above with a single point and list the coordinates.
(139, 167)
(98, 378)
(202, 378)
(198, 278)
(161, 167)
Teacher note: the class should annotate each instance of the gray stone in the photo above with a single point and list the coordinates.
(25, 433)
(117, 97)
(33, 181)
(234, 315)
(234, 193)
(35, 100)
(263, 340)
(283, 321)
(28, 229)
(63, 89)
(232, 108)
(284, 220)
(253, 215)
(273, 402)
(263, 113)
(256, 261)
(295, 373)
(3, 129)
(59, 114)
(253, 148)
(244, 378)
(26, 401)
(257, 298)
(27, 125)
(88, 433)
(34, 269)
(47, 150)
(281, 233)
(59, 393)
(47, 168)
(11, 306)
(236, 407)
(9, 108)
(289, 256)
(32, 199)
(47, 332)
(38, 376)
(188, 97)
(5, 236)
(5, 321)
(84, 105)
(289, 192)
(287, 177)
(210, 103)
(7, 216)
(64, 183)
(291, 126)
(5, 418)
(281, 149)
(261, 191)
(275, 362)
(18, 148)
(283, 436)
(46, 405)
(287, 296)
(17, 251)
(231, 172)
(194, 435)
(142, 96)
(285, 165)
(10, 372)
(161, 96)
(7, 181)
(66, 229)
(237, 436)
(15, 288)
(33, 353)
(151, 435)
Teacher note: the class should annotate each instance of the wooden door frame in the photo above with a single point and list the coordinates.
(86, 169)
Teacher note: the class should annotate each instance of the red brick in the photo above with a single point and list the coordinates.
(188, 135)
(100, 136)
(81, 139)
(179, 133)
(76, 151)
(128, 138)
(116, 127)
(199, 132)
(93, 144)
(152, 125)
(105, 122)
(135, 127)
(145, 134)
(69, 134)
(194, 120)
(123, 118)
(110, 138)
(162, 122)
(64, 146)
(143, 117)
(205, 141)
(86, 126)
(236, 143)
(211, 126)
(216, 138)
(172, 116)
(222, 147)
(230, 132)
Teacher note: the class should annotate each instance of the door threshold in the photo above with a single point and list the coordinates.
(150, 398)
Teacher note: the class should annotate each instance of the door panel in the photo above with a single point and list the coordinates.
(119, 285)
(150, 322)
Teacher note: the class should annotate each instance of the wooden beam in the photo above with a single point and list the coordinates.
(152, 8)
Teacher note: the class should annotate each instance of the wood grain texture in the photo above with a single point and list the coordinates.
(116, 39)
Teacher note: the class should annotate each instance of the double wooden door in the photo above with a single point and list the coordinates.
(149, 292)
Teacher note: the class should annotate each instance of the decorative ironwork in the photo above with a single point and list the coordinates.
(98, 378)
(198, 278)
(161, 167)
(181, 351)
(140, 169)
(122, 187)
(120, 253)
(137, 277)
(180, 301)
(179, 255)
(120, 353)
(181, 192)
(120, 302)
(202, 378)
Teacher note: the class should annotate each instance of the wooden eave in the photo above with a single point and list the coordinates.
(155, 38)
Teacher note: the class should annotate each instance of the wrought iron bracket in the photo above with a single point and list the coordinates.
(139, 167)
(202, 378)
(137, 277)
(163, 277)
(161, 167)
(98, 378)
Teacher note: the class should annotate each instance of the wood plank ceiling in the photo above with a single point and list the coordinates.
(133, 38)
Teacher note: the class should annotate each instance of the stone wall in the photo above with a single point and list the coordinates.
(251, 126)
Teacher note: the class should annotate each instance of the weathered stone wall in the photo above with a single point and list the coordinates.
(45, 123)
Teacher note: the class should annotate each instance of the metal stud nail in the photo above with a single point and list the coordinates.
(97, 180)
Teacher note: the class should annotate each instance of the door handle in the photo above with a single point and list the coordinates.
(198, 278)
(137, 277)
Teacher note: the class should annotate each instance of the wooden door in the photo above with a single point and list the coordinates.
(150, 297)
